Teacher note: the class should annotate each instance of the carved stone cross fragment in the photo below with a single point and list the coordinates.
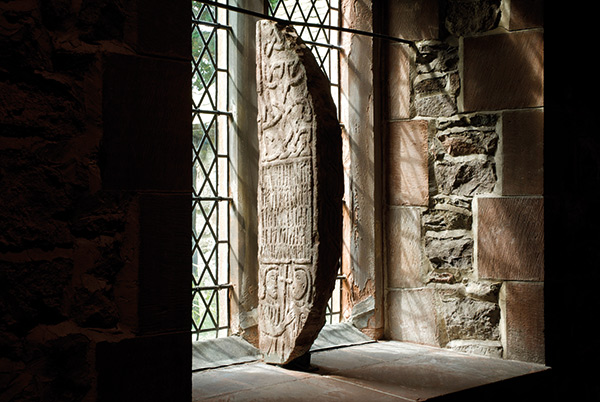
(299, 193)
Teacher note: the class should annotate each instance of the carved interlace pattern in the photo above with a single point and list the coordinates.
(286, 225)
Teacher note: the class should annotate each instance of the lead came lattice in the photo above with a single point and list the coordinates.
(210, 265)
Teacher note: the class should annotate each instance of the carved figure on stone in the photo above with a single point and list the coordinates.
(299, 193)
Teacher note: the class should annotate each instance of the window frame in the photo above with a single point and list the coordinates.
(358, 107)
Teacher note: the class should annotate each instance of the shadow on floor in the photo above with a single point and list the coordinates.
(377, 371)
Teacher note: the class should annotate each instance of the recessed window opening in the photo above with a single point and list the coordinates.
(210, 198)
(212, 131)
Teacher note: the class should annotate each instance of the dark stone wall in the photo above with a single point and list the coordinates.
(94, 150)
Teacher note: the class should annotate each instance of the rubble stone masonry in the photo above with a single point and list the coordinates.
(464, 169)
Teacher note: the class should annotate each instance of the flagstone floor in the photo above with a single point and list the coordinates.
(376, 371)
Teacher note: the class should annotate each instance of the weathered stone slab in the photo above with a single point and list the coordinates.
(399, 81)
(465, 176)
(523, 152)
(449, 252)
(477, 347)
(414, 19)
(212, 353)
(413, 317)
(407, 163)
(510, 238)
(337, 335)
(437, 83)
(503, 71)
(466, 17)
(469, 318)
(404, 250)
(299, 193)
(523, 314)
(526, 14)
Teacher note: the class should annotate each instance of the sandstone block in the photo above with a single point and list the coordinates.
(412, 316)
(399, 81)
(414, 19)
(437, 82)
(481, 121)
(31, 178)
(404, 250)
(486, 291)
(469, 318)
(446, 215)
(477, 347)
(164, 295)
(145, 144)
(299, 193)
(58, 365)
(504, 71)
(510, 238)
(35, 292)
(522, 305)
(94, 308)
(526, 14)
(442, 104)
(469, 141)
(450, 250)
(435, 56)
(523, 152)
(407, 163)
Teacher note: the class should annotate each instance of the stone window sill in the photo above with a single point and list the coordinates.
(346, 367)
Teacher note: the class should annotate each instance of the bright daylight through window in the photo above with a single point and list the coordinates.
(210, 205)
(211, 135)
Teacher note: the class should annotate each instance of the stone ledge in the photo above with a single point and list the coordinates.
(383, 370)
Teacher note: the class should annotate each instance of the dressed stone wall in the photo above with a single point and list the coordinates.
(464, 177)
(94, 247)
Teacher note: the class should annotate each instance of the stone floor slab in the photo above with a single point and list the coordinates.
(379, 371)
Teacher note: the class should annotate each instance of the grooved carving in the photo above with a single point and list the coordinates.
(299, 193)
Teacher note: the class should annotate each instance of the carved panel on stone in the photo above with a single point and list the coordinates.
(299, 193)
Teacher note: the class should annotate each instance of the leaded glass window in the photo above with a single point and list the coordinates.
(212, 121)
(324, 44)
(210, 200)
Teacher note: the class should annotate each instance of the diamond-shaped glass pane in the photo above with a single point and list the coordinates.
(205, 174)
(205, 312)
